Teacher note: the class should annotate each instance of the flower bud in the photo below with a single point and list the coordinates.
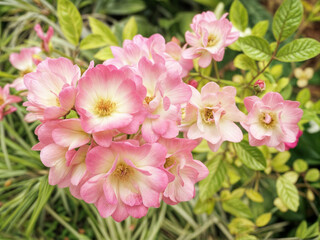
(259, 85)
(193, 83)
(310, 195)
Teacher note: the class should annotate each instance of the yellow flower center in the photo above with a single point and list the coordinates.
(169, 162)
(1, 100)
(207, 115)
(122, 171)
(212, 40)
(148, 99)
(22, 73)
(104, 107)
(268, 120)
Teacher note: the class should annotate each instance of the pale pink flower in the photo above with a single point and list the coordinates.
(51, 89)
(272, 121)
(5, 100)
(209, 38)
(127, 179)
(186, 170)
(165, 93)
(212, 115)
(294, 144)
(133, 50)
(45, 37)
(25, 63)
(174, 60)
(108, 100)
(58, 140)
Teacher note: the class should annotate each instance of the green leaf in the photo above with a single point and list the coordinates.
(260, 29)
(92, 41)
(212, 183)
(239, 15)
(256, 48)
(282, 83)
(70, 21)
(204, 207)
(243, 62)
(237, 208)
(300, 165)
(44, 194)
(263, 219)
(254, 195)
(104, 54)
(288, 193)
(302, 229)
(102, 29)
(299, 50)
(241, 226)
(124, 7)
(313, 230)
(312, 175)
(287, 19)
(303, 96)
(130, 29)
(252, 157)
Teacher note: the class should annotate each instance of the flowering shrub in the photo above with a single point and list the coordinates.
(132, 131)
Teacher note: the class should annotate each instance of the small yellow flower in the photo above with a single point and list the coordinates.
(303, 76)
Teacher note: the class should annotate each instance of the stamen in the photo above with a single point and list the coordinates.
(268, 120)
(148, 99)
(104, 107)
(122, 171)
(212, 40)
(1, 100)
(207, 116)
(169, 162)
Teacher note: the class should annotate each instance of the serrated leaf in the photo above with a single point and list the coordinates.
(260, 29)
(239, 15)
(313, 230)
(299, 50)
(256, 48)
(287, 19)
(92, 41)
(130, 29)
(70, 21)
(288, 193)
(213, 182)
(102, 29)
(44, 194)
(263, 219)
(252, 157)
(237, 208)
(243, 62)
(303, 96)
(104, 54)
(254, 195)
(291, 176)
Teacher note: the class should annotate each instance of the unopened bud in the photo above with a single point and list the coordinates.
(193, 83)
(310, 195)
(259, 85)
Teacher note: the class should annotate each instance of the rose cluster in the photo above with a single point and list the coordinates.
(111, 134)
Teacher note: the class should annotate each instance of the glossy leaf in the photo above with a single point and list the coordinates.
(70, 21)
(130, 29)
(252, 157)
(239, 15)
(288, 193)
(256, 48)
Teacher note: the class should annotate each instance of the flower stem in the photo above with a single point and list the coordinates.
(216, 69)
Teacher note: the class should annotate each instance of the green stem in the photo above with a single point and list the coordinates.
(216, 70)
(223, 81)
(4, 147)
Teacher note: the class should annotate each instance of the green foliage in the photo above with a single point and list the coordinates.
(130, 29)
(256, 48)
(238, 15)
(237, 208)
(288, 193)
(245, 63)
(299, 50)
(261, 28)
(287, 19)
(212, 183)
(70, 21)
(250, 156)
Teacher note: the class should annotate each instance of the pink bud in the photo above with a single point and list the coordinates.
(260, 85)
(193, 83)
